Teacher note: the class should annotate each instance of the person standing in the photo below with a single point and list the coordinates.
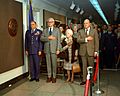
(70, 49)
(51, 39)
(62, 30)
(110, 47)
(75, 31)
(33, 48)
(89, 46)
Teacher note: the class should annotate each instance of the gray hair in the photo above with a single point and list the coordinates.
(69, 31)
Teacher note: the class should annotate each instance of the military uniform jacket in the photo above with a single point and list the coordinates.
(32, 41)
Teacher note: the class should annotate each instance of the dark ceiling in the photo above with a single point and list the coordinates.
(108, 7)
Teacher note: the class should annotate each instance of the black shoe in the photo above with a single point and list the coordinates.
(82, 83)
(37, 80)
(31, 80)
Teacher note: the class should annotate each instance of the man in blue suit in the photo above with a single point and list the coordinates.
(33, 48)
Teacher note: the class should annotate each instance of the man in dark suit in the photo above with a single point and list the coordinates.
(89, 46)
(110, 47)
(51, 39)
(33, 47)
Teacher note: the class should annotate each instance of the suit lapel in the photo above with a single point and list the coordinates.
(47, 31)
(84, 34)
(35, 31)
(91, 32)
(53, 32)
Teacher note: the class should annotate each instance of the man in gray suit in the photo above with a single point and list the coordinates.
(51, 39)
(89, 46)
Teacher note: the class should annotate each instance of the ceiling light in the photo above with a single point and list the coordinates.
(117, 7)
(81, 12)
(98, 9)
(78, 9)
(72, 6)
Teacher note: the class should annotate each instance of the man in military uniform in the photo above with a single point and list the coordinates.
(33, 47)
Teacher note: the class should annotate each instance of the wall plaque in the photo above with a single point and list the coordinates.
(12, 27)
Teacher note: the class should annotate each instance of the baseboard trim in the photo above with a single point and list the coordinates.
(112, 69)
(13, 81)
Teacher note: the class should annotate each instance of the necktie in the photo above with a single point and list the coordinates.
(50, 32)
(86, 32)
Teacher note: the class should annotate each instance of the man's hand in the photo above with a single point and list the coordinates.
(26, 52)
(51, 37)
(89, 38)
(39, 53)
(95, 54)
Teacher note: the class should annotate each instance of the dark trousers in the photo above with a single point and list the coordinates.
(34, 66)
(101, 60)
(110, 59)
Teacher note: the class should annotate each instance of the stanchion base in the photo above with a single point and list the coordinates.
(99, 91)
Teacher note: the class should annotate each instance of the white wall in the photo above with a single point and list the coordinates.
(38, 6)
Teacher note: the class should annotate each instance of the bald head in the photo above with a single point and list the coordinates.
(87, 23)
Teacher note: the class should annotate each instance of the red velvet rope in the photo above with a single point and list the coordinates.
(87, 87)
(96, 69)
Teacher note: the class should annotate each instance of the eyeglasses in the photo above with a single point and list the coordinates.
(50, 21)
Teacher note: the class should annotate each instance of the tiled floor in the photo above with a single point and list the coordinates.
(109, 83)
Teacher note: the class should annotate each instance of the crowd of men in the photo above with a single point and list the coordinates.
(109, 43)
(92, 39)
